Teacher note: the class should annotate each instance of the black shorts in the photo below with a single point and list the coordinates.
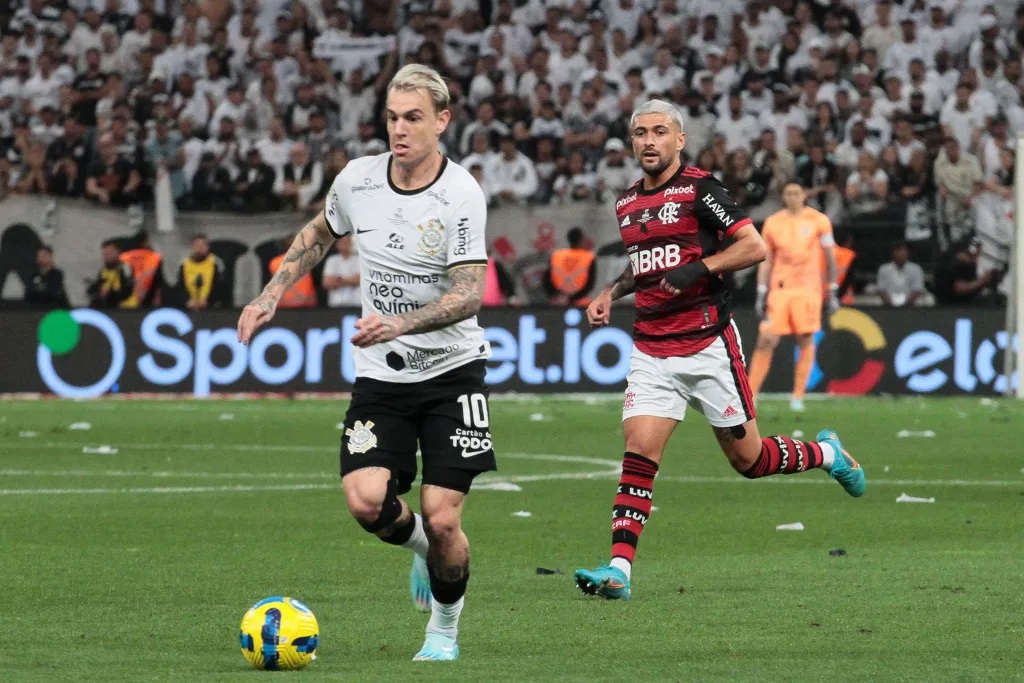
(447, 417)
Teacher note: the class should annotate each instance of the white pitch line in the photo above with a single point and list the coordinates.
(165, 489)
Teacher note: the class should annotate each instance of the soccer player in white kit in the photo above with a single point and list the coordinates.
(418, 220)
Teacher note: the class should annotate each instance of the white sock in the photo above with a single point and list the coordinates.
(418, 541)
(622, 564)
(444, 619)
(828, 455)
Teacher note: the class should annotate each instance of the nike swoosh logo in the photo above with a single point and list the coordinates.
(470, 454)
(360, 232)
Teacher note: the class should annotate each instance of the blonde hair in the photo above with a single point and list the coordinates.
(412, 77)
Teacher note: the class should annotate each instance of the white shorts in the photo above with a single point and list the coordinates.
(713, 381)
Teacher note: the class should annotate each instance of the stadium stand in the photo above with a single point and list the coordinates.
(899, 116)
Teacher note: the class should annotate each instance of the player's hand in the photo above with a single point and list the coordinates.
(680, 279)
(258, 313)
(760, 306)
(599, 312)
(833, 301)
(374, 329)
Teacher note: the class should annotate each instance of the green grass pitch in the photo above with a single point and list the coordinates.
(138, 566)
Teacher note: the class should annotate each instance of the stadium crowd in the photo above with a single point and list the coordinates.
(899, 117)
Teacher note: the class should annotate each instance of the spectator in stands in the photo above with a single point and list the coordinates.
(46, 286)
(616, 171)
(275, 148)
(917, 188)
(740, 129)
(114, 285)
(957, 280)
(961, 118)
(867, 188)
(819, 175)
(211, 185)
(300, 179)
(900, 282)
(31, 174)
(585, 126)
(572, 272)
(165, 151)
(201, 279)
(68, 158)
(302, 294)
(510, 174)
(225, 146)
(341, 276)
(112, 180)
(959, 179)
(575, 183)
(254, 186)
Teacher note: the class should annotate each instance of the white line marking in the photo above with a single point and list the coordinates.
(611, 471)
(166, 489)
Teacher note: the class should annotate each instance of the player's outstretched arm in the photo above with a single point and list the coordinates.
(308, 249)
(458, 303)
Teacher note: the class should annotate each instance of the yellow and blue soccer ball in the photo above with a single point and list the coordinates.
(279, 633)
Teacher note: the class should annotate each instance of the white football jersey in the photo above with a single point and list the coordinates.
(407, 241)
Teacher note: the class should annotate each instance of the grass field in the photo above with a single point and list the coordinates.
(138, 566)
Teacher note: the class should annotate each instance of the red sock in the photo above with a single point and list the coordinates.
(632, 504)
(782, 455)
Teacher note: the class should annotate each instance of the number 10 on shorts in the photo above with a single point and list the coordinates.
(474, 410)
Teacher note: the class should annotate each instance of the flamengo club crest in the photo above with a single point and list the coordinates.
(431, 237)
(361, 437)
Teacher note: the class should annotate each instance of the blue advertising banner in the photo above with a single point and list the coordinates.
(86, 353)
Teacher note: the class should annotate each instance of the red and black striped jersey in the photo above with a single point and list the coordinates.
(685, 219)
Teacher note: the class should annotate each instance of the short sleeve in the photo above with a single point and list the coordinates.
(716, 209)
(466, 226)
(336, 208)
(825, 231)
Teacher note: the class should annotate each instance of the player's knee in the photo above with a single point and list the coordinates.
(441, 527)
(374, 510)
(767, 342)
(743, 459)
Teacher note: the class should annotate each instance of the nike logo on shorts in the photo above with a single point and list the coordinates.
(360, 232)
(470, 454)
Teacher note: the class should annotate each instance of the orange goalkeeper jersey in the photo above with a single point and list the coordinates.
(795, 243)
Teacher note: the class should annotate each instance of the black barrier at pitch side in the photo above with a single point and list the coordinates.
(86, 353)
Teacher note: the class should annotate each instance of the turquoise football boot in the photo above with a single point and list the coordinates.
(438, 648)
(419, 583)
(845, 469)
(608, 582)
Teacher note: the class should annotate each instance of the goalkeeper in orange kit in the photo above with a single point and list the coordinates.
(789, 287)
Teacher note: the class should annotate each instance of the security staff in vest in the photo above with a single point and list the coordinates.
(114, 284)
(572, 272)
(201, 278)
(148, 270)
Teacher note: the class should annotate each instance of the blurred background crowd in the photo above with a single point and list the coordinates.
(899, 117)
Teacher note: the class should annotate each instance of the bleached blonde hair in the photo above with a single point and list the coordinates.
(412, 77)
(657, 107)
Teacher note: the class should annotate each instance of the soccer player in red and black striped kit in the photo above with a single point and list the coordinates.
(682, 231)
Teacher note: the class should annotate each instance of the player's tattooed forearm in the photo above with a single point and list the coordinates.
(460, 302)
(307, 251)
(624, 284)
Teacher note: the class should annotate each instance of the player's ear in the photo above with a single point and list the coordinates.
(443, 117)
(681, 142)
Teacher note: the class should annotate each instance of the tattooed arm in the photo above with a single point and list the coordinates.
(306, 251)
(624, 284)
(458, 303)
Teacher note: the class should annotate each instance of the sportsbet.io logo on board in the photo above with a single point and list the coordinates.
(59, 334)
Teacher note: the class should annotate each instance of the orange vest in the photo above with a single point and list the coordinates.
(492, 287)
(570, 269)
(302, 294)
(844, 257)
(144, 264)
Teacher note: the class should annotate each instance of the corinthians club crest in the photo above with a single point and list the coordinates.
(431, 237)
(361, 437)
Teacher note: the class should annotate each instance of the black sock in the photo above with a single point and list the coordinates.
(402, 533)
(447, 592)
